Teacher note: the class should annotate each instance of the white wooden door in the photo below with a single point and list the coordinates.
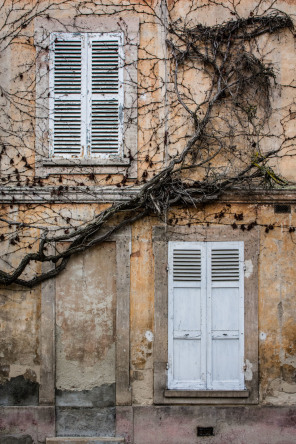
(206, 316)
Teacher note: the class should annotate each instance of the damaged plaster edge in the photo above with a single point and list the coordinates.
(248, 268)
(282, 393)
(19, 392)
(32, 372)
(11, 371)
(248, 370)
(280, 399)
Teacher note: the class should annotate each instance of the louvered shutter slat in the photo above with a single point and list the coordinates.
(67, 97)
(225, 265)
(187, 265)
(105, 124)
(105, 65)
(67, 67)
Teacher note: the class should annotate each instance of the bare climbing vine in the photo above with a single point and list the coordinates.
(210, 129)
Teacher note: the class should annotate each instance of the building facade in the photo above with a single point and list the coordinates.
(175, 329)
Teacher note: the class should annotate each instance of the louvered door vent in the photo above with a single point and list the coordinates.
(225, 265)
(187, 265)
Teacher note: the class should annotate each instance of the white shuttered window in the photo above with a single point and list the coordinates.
(86, 94)
(206, 316)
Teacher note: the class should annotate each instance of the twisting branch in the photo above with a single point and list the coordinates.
(225, 124)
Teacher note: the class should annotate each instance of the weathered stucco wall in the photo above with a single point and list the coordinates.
(237, 425)
(276, 289)
(277, 320)
(86, 320)
(85, 342)
(19, 346)
(141, 312)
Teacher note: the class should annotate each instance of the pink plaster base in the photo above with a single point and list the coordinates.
(232, 425)
(37, 422)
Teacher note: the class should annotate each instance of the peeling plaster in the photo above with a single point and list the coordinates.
(85, 321)
(262, 336)
(280, 311)
(8, 372)
(290, 360)
(32, 373)
(19, 391)
(283, 393)
(149, 336)
(72, 375)
(143, 388)
(248, 268)
(248, 370)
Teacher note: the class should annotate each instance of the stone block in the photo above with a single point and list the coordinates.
(85, 422)
(102, 396)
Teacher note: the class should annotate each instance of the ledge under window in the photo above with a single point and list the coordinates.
(206, 393)
(107, 161)
(115, 165)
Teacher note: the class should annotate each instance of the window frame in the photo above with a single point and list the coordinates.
(163, 395)
(121, 163)
(205, 284)
(86, 94)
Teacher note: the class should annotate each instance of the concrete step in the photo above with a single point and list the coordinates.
(78, 440)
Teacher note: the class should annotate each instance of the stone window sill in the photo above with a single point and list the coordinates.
(111, 165)
(206, 393)
(115, 161)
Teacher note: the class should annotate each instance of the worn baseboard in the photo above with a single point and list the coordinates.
(85, 440)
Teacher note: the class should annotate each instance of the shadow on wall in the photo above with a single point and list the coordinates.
(19, 391)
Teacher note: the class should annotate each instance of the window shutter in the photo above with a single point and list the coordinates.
(187, 298)
(106, 100)
(66, 92)
(225, 316)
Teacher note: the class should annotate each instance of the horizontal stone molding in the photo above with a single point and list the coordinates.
(80, 194)
(61, 194)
